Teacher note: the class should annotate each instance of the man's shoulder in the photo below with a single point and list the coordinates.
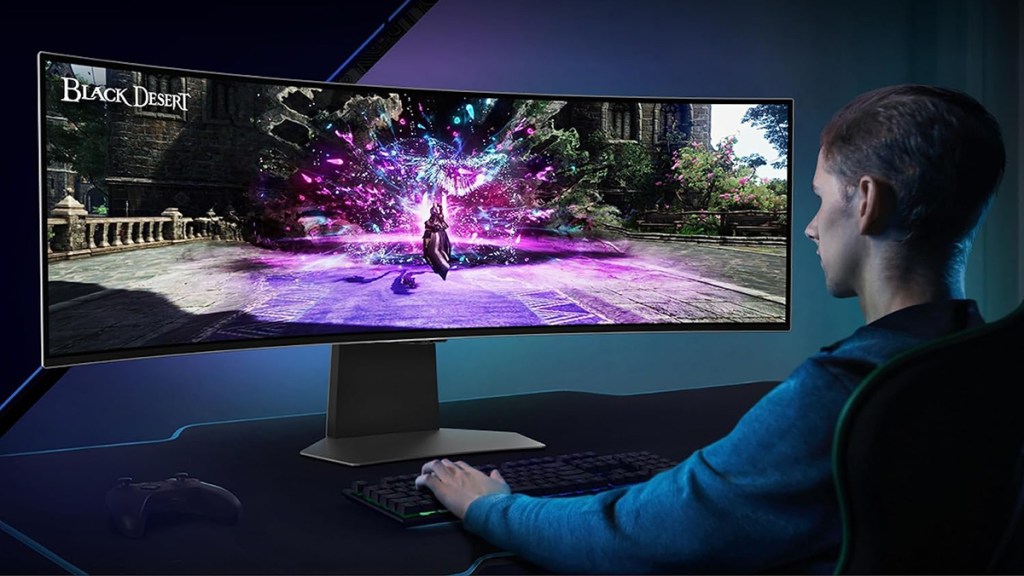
(908, 326)
(836, 369)
(851, 359)
(868, 342)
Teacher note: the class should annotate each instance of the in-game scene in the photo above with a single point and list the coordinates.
(190, 209)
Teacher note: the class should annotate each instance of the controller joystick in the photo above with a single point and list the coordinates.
(131, 504)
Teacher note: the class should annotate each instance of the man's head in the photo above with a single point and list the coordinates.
(913, 166)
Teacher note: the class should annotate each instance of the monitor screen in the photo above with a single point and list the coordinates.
(187, 211)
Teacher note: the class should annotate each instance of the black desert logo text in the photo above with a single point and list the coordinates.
(139, 97)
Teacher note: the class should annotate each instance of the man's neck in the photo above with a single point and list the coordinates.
(884, 293)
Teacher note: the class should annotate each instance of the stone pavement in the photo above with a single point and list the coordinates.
(214, 291)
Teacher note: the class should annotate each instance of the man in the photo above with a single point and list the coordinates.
(904, 176)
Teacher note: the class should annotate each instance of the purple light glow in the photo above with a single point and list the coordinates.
(380, 178)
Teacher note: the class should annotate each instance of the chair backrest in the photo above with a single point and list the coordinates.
(929, 458)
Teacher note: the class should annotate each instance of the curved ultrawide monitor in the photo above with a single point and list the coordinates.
(186, 211)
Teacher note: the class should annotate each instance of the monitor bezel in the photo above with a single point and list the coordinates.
(391, 336)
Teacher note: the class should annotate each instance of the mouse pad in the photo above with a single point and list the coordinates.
(294, 517)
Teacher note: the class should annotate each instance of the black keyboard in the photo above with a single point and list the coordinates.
(565, 475)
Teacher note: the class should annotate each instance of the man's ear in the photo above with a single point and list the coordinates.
(875, 203)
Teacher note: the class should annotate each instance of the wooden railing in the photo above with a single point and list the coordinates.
(734, 223)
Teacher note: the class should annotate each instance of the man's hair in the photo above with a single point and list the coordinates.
(938, 149)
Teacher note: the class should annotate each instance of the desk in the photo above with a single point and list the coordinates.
(295, 518)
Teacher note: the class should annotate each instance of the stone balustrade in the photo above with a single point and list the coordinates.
(72, 232)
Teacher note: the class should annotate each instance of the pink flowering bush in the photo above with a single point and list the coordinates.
(699, 172)
(712, 179)
(746, 193)
(702, 225)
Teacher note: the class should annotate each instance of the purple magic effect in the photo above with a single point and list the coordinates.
(378, 163)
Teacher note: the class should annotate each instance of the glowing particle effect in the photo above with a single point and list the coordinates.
(380, 200)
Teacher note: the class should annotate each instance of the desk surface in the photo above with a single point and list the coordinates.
(295, 518)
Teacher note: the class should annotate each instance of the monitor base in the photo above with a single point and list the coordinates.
(419, 445)
(382, 406)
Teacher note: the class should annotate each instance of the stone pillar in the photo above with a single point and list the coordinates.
(73, 237)
(103, 233)
(213, 228)
(701, 124)
(177, 226)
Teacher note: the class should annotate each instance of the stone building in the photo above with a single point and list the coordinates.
(195, 159)
(208, 155)
(657, 126)
(648, 123)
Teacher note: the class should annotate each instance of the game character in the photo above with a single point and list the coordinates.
(437, 249)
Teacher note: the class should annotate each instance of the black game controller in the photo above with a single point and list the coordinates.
(130, 504)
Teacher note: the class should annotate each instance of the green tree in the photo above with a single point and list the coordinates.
(629, 166)
(773, 119)
(710, 179)
(755, 161)
(77, 133)
(702, 172)
(573, 188)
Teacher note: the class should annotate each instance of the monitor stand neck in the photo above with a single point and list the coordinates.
(382, 407)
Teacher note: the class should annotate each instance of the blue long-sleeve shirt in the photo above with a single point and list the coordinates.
(760, 499)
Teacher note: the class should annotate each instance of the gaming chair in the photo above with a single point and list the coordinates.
(929, 458)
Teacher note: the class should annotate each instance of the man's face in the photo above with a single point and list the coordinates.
(834, 229)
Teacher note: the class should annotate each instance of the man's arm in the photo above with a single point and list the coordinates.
(760, 498)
